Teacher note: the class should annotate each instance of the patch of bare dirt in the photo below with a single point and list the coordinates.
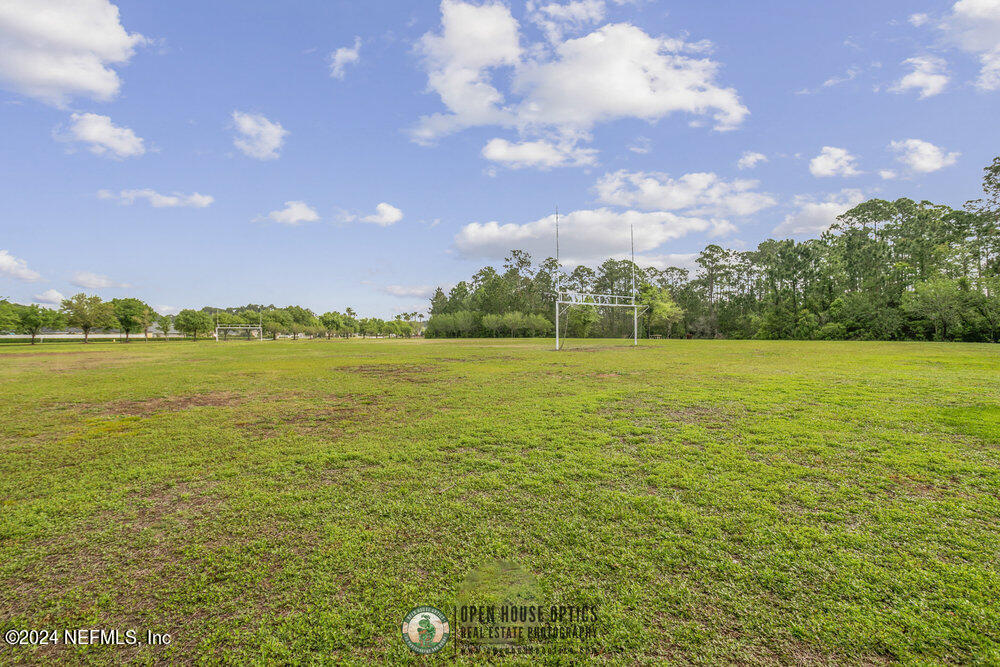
(398, 372)
(48, 353)
(330, 417)
(172, 404)
(914, 487)
(71, 562)
(708, 416)
(650, 412)
(126, 563)
(180, 502)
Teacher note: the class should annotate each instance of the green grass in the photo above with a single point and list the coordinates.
(754, 502)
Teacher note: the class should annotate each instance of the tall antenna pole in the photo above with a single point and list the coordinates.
(631, 232)
(558, 272)
(635, 306)
(558, 278)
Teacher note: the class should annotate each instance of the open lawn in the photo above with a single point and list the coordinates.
(719, 501)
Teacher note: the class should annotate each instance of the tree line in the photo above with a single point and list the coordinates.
(887, 270)
(131, 316)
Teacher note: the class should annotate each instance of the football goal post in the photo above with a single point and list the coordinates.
(567, 299)
(251, 331)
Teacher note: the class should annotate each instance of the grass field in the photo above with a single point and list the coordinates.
(756, 502)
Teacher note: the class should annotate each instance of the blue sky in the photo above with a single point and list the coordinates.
(335, 154)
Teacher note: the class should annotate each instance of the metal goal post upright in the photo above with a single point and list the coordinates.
(573, 298)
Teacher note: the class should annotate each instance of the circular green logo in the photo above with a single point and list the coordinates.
(426, 630)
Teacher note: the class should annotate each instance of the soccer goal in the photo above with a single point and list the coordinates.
(250, 331)
(567, 299)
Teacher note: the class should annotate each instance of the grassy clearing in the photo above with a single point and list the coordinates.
(719, 501)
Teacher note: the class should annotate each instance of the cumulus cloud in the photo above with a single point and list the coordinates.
(989, 75)
(257, 136)
(750, 159)
(833, 161)
(974, 26)
(344, 56)
(917, 20)
(102, 136)
(617, 71)
(294, 213)
(14, 267)
(555, 19)
(922, 157)
(384, 215)
(887, 174)
(813, 217)
(473, 39)
(928, 75)
(157, 200)
(585, 235)
(684, 260)
(51, 297)
(410, 291)
(540, 154)
(54, 50)
(167, 310)
(91, 280)
(702, 194)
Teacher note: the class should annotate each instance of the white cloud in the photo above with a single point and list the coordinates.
(679, 260)
(917, 20)
(701, 194)
(14, 267)
(54, 50)
(850, 75)
(641, 145)
(157, 200)
(585, 236)
(922, 157)
(50, 296)
(473, 39)
(167, 310)
(384, 215)
(344, 56)
(410, 291)
(556, 19)
(257, 136)
(814, 217)
(833, 161)
(617, 71)
(887, 174)
(989, 75)
(540, 154)
(91, 280)
(294, 213)
(974, 26)
(750, 159)
(104, 137)
(928, 75)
